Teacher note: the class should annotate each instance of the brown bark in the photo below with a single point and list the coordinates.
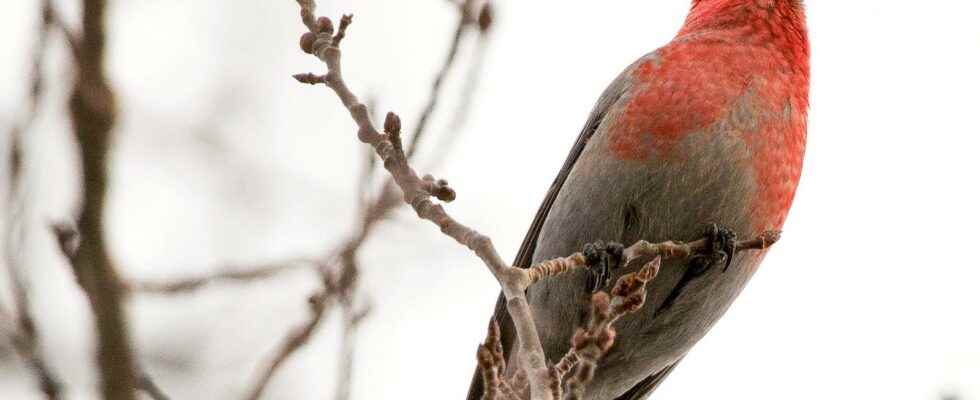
(92, 111)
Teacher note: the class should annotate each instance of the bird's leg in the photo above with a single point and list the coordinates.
(720, 247)
(601, 259)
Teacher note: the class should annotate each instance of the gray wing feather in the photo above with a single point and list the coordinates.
(507, 336)
(643, 388)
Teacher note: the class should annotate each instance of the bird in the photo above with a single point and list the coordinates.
(708, 130)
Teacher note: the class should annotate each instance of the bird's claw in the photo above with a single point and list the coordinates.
(721, 244)
(601, 259)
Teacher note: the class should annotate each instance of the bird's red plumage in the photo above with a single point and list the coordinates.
(710, 128)
(756, 48)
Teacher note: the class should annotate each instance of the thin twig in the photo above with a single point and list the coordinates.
(23, 333)
(298, 337)
(464, 104)
(336, 284)
(237, 274)
(375, 211)
(150, 388)
(465, 21)
(646, 250)
(386, 199)
(352, 321)
(35, 90)
(389, 149)
(370, 163)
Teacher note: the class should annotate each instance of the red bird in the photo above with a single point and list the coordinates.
(710, 128)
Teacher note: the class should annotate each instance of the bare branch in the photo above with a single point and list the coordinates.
(23, 333)
(236, 274)
(24, 339)
(36, 88)
(464, 104)
(296, 339)
(465, 20)
(646, 250)
(150, 388)
(389, 149)
(555, 267)
(681, 250)
(352, 321)
(92, 111)
(385, 201)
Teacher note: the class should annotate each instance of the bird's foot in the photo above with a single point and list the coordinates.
(720, 247)
(601, 259)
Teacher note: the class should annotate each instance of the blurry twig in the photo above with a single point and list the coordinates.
(150, 388)
(36, 87)
(22, 334)
(466, 20)
(471, 82)
(19, 325)
(297, 337)
(236, 274)
(92, 112)
(352, 320)
(370, 164)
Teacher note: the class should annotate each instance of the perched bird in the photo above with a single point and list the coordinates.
(709, 129)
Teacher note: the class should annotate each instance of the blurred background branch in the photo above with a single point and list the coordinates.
(17, 325)
(92, 109)
(93, 113)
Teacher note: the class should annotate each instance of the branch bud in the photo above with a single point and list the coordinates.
(485, 20)
(324, 25)
(393, 124)
(306, 42)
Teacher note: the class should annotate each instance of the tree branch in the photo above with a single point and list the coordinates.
(389, 148)
(466, 19)
(298, 337)
(19, 325)
(386, 200)
(22, 334)
(352, 321)
(376, 211)
(92, 111)
(236, 274)
(150, 388)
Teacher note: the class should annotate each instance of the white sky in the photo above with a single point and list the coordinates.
(222, 158)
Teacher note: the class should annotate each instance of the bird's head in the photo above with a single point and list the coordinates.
(761, 3)
(721, 14)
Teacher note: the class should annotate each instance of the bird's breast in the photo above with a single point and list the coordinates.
(712, 94)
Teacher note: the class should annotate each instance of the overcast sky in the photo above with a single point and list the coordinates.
(221, 158)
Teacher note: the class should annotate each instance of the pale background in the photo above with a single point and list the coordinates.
(222, 158)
